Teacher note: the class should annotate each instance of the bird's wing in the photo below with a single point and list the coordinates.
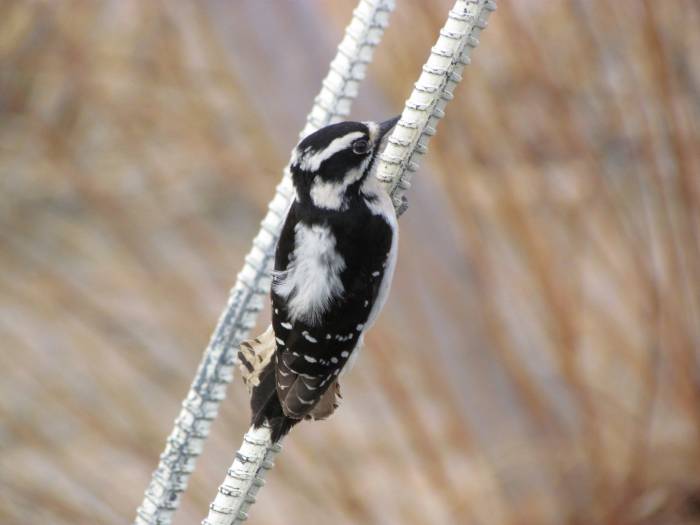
(308, 362)
(309, 357)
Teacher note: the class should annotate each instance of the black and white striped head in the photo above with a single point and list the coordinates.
(329, 165)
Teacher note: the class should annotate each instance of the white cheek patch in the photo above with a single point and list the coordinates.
(312, 161)
(312, 280)
(330, 195)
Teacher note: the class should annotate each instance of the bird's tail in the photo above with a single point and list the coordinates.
(257, 364)
(266, 407)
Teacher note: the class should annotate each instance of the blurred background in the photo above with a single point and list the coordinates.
(537, 362)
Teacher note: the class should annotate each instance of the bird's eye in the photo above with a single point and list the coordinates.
(360, 147)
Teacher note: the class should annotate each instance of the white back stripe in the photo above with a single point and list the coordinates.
(312, 279)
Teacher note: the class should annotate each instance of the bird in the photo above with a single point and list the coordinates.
(333, 267)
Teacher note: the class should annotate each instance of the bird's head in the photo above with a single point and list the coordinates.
(329, 165)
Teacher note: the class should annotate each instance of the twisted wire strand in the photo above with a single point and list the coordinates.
(425, 106)
(406, 145)
(215, 371)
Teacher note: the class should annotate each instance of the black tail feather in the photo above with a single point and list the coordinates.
(266, 407)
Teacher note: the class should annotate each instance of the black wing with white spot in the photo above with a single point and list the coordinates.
(308, 360)
(310, 357)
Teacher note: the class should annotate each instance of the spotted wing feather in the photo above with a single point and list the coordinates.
(301, 380)
(309, 358)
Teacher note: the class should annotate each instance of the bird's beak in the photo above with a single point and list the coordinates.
(386, 126)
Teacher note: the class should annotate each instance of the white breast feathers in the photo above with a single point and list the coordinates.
(312, 279)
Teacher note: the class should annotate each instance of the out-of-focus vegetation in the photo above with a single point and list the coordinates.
(537, 362)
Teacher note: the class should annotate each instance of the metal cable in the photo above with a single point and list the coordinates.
(440, 75)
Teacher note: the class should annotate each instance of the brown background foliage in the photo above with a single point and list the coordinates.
(537, 362)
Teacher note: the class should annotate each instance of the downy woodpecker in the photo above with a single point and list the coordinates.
(333, 267)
